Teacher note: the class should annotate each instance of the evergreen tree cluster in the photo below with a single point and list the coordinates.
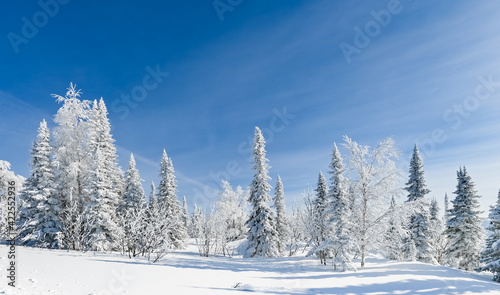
(76, 196)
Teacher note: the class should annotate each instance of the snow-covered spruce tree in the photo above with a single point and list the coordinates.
(375, 181)
(463, 228)
(439, 240)
(281, 220)
(262, 236)
(340, 237)
(491, 252)
(102, 206)
(320, 228)
(419, 223)
(395, 234)
(105, 182)
(39, 207)
(72, 161)
(132, 211)
(170, 206)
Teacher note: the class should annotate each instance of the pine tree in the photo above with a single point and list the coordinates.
(342, 240)
(463, 228)
(262, 236)
(491, 252)
(40, 208)
(438, 240)
(419, 224)
(132, 211)
(281, 220)
(102, 206)
(395, 234)
(320, 228)
(170, 205)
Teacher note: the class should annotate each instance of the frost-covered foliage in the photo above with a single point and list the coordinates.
(231, 215)
(463, 228)
(438, 238)
(320, 225)
(375, 180)
(419, 226)
(169, 204)
(262, 235)
(40, 208)
(132, 212)
(491, 252)
(282, 226)
(6, 176)
(395, 234)
(341, 238)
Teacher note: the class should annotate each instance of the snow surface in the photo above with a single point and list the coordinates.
(185, 272)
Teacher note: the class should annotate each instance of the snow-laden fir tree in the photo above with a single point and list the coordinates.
(102, 205)
(491, 252)
(39, 206)
(170, 206)
(463, 228)
(438, 239)
(419, 223)
(319, 228)
(281, 219)
(105, 183)
(262, 235)
(375, 179)
(100, 137)
(132, 211)
(396, 233)
(340, 237)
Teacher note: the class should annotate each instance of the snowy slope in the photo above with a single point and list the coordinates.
(185, 272)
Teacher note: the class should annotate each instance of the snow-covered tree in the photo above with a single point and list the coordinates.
(72, 160)
(438, 239)
(419, 223)
(171, 207)
(463, 228)
(375, 179)
(102, 205)
(320, 226)
(491, 252)
(297, 231)
(7, 176)
(132, 211)
(281, 219)
(39, 206)
(230, 211)
(262, 236)
(340, 237)
(396, 233)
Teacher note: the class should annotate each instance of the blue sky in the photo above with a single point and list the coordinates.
(429, 75)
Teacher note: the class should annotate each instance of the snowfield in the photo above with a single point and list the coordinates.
(185, 272)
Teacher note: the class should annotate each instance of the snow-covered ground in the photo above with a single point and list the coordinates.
(185, 272)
